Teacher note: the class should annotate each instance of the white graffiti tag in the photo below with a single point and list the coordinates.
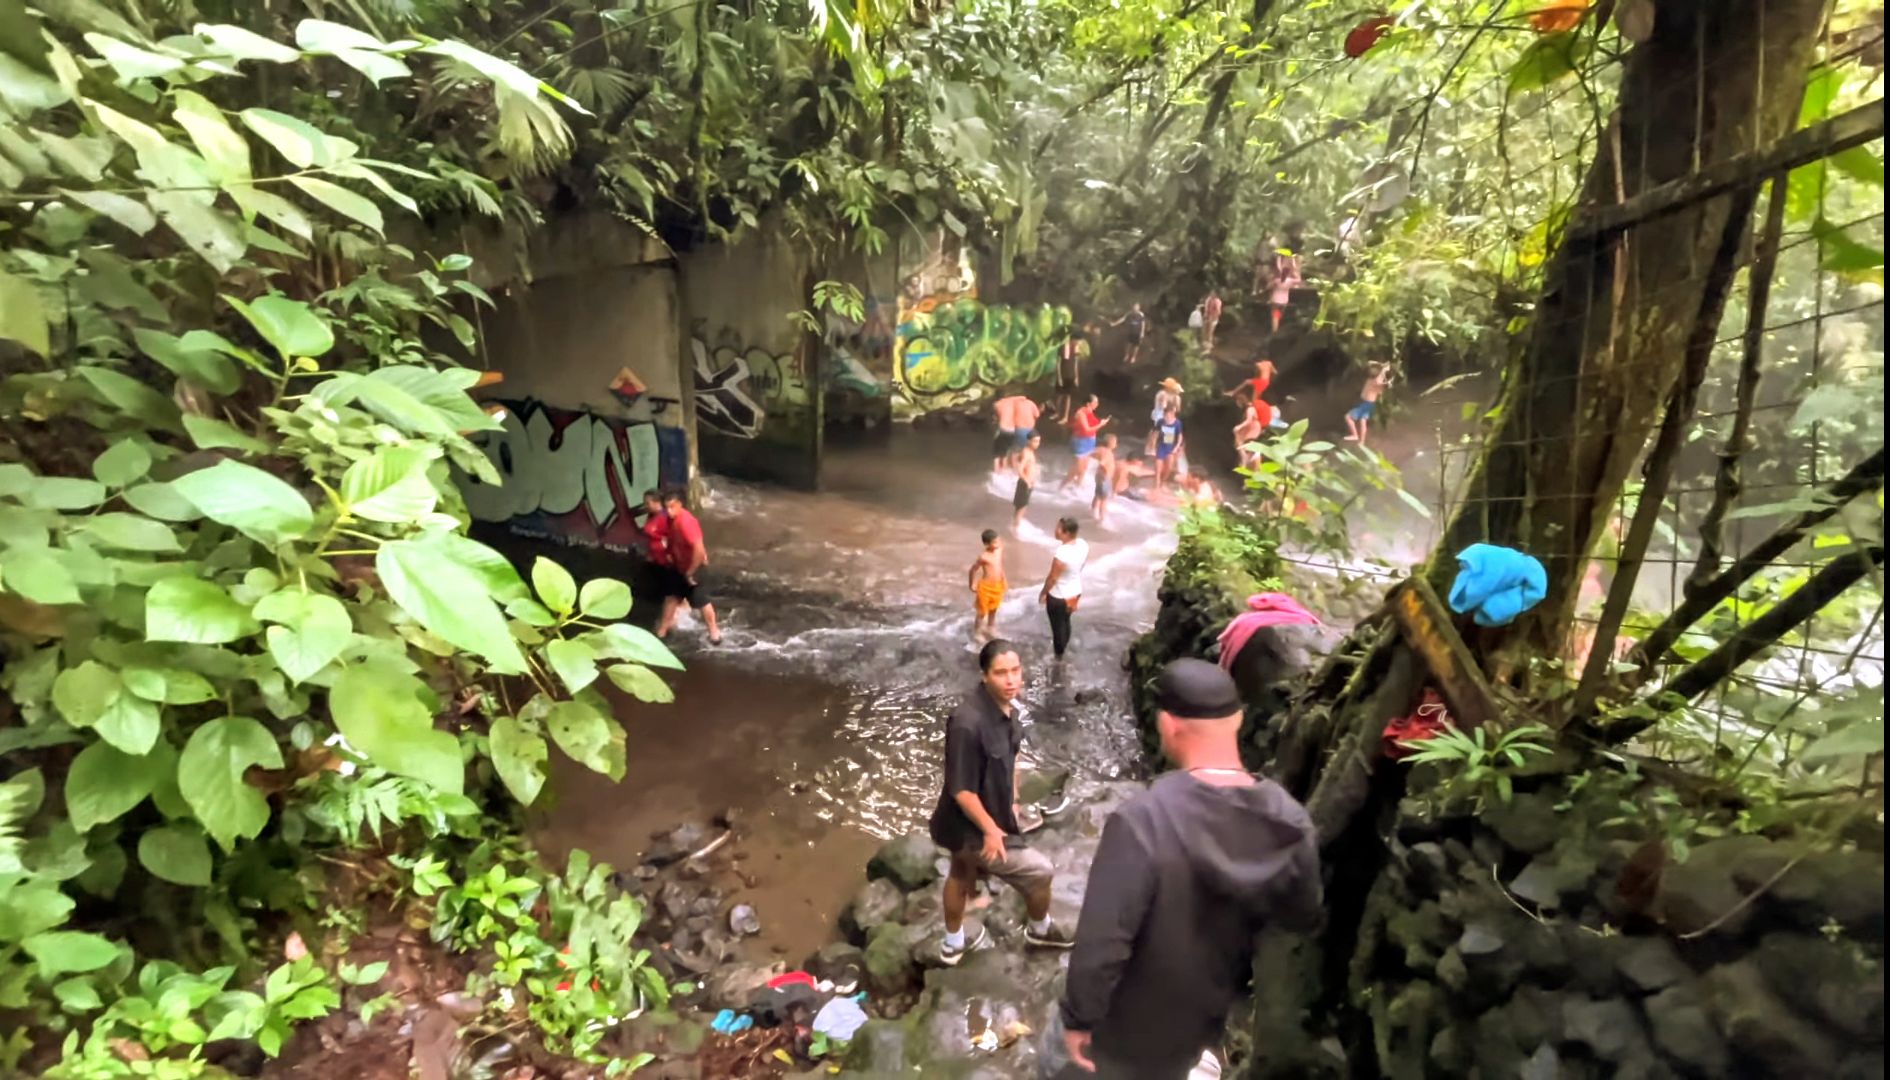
(555, 470)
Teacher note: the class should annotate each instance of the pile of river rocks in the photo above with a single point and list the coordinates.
(1544, 938)
(934, 1021)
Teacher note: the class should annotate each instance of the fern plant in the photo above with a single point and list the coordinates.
(1476, 766)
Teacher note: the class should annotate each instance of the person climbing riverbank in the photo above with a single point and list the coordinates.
(1063, 586)
(976, 813)
(1186, 875)
(1027, 475)
(1210, 318)
(688, 555)
(1070, 357)
(1137, 325)
(987, 584)
(1085, 425)
(1358, 419)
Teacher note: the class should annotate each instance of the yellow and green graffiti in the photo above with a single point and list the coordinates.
(951, 353)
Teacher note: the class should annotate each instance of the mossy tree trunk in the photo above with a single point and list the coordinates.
(1605, 356)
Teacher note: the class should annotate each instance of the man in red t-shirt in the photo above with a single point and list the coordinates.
(687, 556)
(655, 529)
(1084, 426)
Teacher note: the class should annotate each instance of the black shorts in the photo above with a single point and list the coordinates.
(678, 586)
(1003, 444)
(1020, 497)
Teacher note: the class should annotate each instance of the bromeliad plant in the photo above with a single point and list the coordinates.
(232, 553)
(1476, 766)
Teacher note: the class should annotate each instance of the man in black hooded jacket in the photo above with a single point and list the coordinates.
(1187, 873)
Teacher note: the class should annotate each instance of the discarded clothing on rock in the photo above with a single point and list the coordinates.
(1263, 610)
(839, 1019)
(730, 1022)
(1428, 720)
(790, 1004)
(1496, 584)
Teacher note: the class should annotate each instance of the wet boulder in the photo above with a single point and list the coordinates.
(877, 902)
(891, 967)
(909, 861)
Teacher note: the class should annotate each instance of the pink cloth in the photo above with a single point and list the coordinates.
(1263, 610)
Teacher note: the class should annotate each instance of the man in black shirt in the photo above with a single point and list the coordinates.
(1187, 873)
(977, 809)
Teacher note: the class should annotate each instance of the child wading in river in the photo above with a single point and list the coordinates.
(987, 586)
(1358, 420)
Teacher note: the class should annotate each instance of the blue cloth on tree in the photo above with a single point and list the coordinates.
(1496, 584)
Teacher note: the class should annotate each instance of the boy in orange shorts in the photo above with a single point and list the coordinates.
(987, 586)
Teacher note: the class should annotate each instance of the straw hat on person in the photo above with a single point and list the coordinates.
(1170, 385)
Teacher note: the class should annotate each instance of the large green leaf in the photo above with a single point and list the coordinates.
(641, 683)
(556, 588)
(383, 715)
(130, 723)
(574, 662)
(390, 486)
(104, 783)
(161, 501)
(211, 233)
(448, 600)
(341, 200)
(292, 326)
(518, 753)
(502, 72)
(621, 641)
(365, 54)
(1549, 59)
(495, 572)
(313, 630)
(190, 357)
(31, 907)
(22, 315)
(194, 611)
(83, 692)
(604, 598)
(585, 734)
(248, 500)
(121, 463)
(177, 853)
(63, 493)
(302, 144)
(256, 202)
(131, 532)
(125, 210)
(61, 952)
(133, 398)
(38, 575)
(241, 44)
(226, 152)
(210, 775)
(1856, 739)
(213, 434)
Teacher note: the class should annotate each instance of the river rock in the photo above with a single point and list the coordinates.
(840, 963)
(743, 920)
(1761, 1026)
(923, 907)
(1609, 1028)
(732, 987)
(1836, 982)
(875, 903)
(1651, 963)
(1684, 1031)
(909, 861)
(878, 1048)
(1527, 822)
(1704, 890)
(891, 967)
(676, 844)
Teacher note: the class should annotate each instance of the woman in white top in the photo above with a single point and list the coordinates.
(1063, 587)
(1167, 396)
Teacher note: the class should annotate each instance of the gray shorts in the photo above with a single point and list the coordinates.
(1022, 869)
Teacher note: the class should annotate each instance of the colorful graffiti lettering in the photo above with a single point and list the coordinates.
(736, 389)
(858, 351)
(961, 351)
(574, 477)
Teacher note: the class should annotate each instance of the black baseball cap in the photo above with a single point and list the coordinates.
(1196, 690)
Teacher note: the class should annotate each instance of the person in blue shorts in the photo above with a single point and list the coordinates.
(1358, 420)
(1168, 441)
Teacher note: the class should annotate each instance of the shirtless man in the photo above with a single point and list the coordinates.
(1016, 419)
(1105, 458)
(1027, 471)
(987, 587)
(1358, 420)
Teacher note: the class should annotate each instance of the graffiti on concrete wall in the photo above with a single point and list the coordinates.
(860, 354)
(737, 388)
(574, 477)
(951, 352)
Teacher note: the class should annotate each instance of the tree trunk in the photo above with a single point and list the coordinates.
(1580, 399)
(1605, 350)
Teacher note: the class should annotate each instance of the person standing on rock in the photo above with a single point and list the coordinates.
(977, 813)
(1185, 876)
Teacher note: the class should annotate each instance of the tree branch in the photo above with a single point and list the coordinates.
(1867, 475)
(1825, 586)
(1727, 481)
